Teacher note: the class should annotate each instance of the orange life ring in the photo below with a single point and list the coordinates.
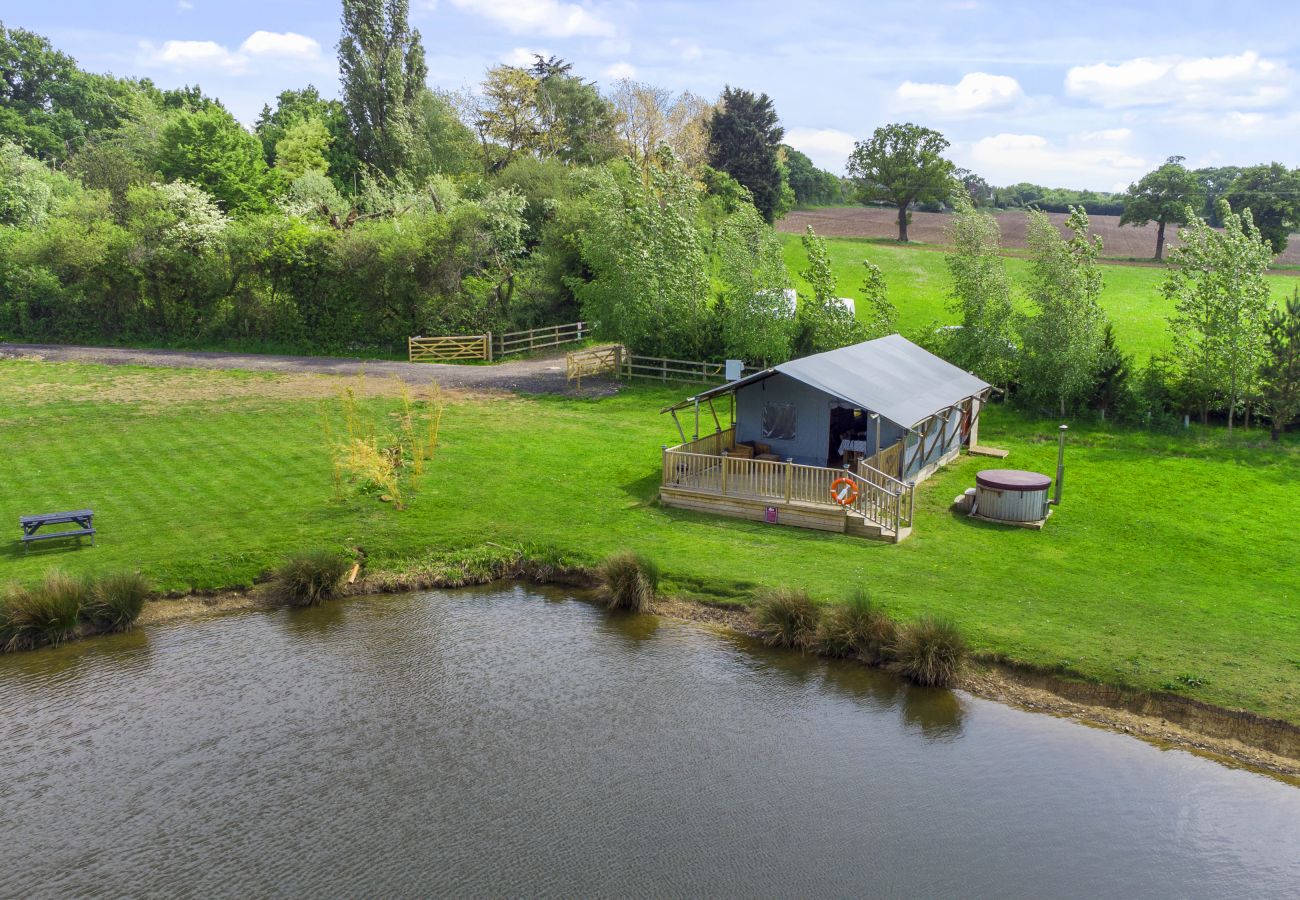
(844, 491)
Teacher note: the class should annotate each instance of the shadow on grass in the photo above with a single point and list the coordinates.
(50, 547)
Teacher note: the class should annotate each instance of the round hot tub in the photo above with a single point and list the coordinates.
(1011, 495)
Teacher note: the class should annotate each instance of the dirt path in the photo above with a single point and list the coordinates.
(536, 375)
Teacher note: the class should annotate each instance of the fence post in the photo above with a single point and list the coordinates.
(663, 367)
(531, 343)
(487, 346)
(789, 476)
(725, 458)
(618, 361)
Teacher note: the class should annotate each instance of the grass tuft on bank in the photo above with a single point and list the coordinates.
(627, 581)
(309, 578)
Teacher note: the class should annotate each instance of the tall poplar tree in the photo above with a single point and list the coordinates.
(1062, 343)
(1220, 295)
(981, 295)
(382, 66)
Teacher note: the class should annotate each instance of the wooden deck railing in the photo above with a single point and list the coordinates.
(888, 460)
(712, 444)
(881, 499)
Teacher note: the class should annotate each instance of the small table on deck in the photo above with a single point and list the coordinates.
(83, 518)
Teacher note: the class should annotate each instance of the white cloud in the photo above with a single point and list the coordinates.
(524, 57)
(620, 70)
(551, 18)
(264, 46)
(190, 55)
(828, 148)
(287, 45)
(688, 51)
(1247, 79)
(977, 92)
(1101, 160)
(184, 5)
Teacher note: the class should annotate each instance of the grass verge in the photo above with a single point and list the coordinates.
(1170, 556)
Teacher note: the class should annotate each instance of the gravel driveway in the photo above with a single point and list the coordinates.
(537, 375)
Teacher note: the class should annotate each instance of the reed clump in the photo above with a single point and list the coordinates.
(788, 618)
(117, 601)
(627, 581)
(47, 614)
(309, 578)
(929, 651)
(858, 629)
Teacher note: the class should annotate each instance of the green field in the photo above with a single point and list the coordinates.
(1171, 560)
(918, 287)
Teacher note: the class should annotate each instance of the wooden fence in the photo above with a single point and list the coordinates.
(443, 349)
(489, 346)
(623, 364)
(540, 338)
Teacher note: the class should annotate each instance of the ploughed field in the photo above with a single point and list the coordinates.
(1129, 242)
(1169, 566)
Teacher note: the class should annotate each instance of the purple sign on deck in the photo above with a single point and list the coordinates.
(771, 515)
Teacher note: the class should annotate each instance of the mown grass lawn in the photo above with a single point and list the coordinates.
(919, 284)
(1172, 559)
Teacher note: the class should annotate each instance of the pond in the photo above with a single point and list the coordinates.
(511, 741)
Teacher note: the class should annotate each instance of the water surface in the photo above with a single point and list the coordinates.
(508, 742)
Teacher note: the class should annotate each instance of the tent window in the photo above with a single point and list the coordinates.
(779, 421)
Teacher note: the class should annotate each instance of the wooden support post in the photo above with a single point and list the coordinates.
(789, 477)
(487, 346)
(725, 460)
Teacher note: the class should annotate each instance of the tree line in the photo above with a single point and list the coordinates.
(132, 213)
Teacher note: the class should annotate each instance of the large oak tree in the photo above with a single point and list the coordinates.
(902, 164)
(1162, 196)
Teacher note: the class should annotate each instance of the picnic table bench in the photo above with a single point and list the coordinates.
(84, 519)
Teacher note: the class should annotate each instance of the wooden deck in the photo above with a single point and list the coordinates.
(700, 475)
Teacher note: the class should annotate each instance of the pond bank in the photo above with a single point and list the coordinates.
(1235, 737)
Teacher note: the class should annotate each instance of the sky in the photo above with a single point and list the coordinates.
(1066, 94)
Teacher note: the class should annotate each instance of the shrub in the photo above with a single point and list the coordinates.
(627, 580)
(117, 601)
(46, 614)
(788, 618)
(929, 651)
(310, 578)
(857, 628)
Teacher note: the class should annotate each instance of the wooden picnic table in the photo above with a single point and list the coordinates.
(84, 519)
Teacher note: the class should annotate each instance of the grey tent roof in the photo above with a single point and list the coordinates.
(890, 376)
